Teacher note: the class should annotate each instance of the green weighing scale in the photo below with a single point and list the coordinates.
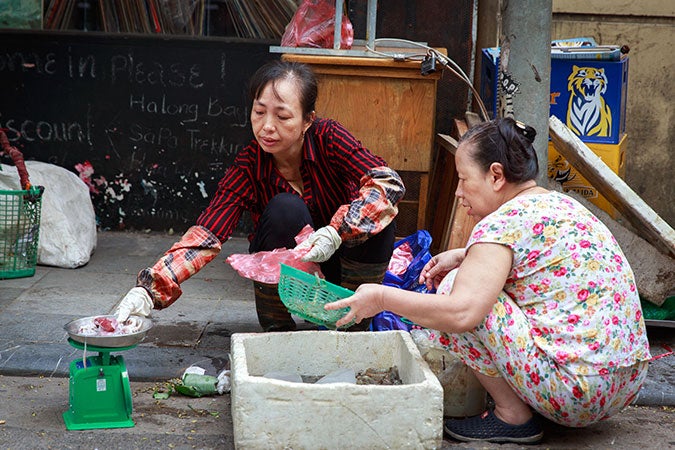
(99, 391)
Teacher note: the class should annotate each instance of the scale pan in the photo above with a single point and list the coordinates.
(121, 340)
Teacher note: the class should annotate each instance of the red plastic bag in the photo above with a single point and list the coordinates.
(313, 25)
(264, 266)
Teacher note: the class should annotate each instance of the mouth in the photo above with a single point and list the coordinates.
(267, 141)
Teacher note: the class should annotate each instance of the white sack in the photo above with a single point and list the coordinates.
(68, 221)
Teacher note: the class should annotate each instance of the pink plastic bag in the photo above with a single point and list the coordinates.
(313, 25)
(400, 259)
(264, 266)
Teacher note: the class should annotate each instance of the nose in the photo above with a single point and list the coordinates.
(268, 124)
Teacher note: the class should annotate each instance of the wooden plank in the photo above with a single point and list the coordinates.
(460, 228)
(422, 205)
(642, 217)
(460, 224)
(447, 142)
(472, 119)
(443, 185)
(461, 127)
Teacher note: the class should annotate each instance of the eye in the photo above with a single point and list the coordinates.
(283, 118)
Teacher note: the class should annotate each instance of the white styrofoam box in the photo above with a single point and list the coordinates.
(272, 413)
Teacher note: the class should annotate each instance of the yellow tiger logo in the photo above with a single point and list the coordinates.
(587, 112)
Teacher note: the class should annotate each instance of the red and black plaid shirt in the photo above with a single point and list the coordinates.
(344, 185)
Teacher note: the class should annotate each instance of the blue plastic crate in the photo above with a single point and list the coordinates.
(589, 96)
(488, 79)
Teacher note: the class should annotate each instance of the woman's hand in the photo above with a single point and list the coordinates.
(366, 302)
(438, 267)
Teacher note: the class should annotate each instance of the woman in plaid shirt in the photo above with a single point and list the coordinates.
(298, 170)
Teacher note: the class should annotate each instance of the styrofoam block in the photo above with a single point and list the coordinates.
(269, 413)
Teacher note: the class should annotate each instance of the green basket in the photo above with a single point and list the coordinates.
(664, 312)
(305, 295)
(19, 231)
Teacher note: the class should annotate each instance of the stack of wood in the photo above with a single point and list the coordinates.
(450, 225)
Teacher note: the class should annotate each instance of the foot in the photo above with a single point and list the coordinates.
(488, 427)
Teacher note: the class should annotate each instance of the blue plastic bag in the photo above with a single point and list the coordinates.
(387, 320)
(420, 243)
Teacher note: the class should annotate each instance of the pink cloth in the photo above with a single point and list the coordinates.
(264, 267)
(400, 259)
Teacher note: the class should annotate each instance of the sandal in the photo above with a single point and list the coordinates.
(488, 427)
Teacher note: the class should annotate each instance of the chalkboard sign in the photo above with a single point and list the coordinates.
(150, 123)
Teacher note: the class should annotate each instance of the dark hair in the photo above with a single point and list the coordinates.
(276, 70)
(507, 142)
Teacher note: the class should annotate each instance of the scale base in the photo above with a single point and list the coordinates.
(100, 395)
(72, 423)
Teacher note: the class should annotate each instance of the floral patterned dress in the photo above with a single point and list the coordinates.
(567, 332)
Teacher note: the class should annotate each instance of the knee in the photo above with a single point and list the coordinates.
(287, 209)
(283, 218)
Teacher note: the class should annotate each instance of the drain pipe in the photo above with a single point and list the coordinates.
(525, 69)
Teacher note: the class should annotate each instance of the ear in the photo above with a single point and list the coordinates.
(309, 120)
(496, 175)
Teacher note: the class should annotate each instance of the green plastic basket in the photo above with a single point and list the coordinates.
(664, 312)
(19, 231)
(305, 295)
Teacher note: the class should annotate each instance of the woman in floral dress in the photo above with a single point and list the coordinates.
(541, 304)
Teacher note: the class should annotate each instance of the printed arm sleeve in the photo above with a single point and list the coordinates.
(376, 206)
(196, 248)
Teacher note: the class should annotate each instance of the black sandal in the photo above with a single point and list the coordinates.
(488, 427)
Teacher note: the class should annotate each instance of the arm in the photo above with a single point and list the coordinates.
(159, 286)
(235, 193)
(373, 207)
(381, 188)
(480, 278)
(196, 248)
(366, 216)
(202, 242)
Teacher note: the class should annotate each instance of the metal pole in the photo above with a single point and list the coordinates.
(525, 69)
(371, 22)
(337, 33)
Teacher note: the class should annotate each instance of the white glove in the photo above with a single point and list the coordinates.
(137, 302)
(322, 244)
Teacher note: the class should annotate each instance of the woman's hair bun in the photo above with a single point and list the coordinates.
(527, 131)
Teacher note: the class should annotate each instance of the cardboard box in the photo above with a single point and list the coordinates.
(614, 155)
(272, 413)
(589, 96)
